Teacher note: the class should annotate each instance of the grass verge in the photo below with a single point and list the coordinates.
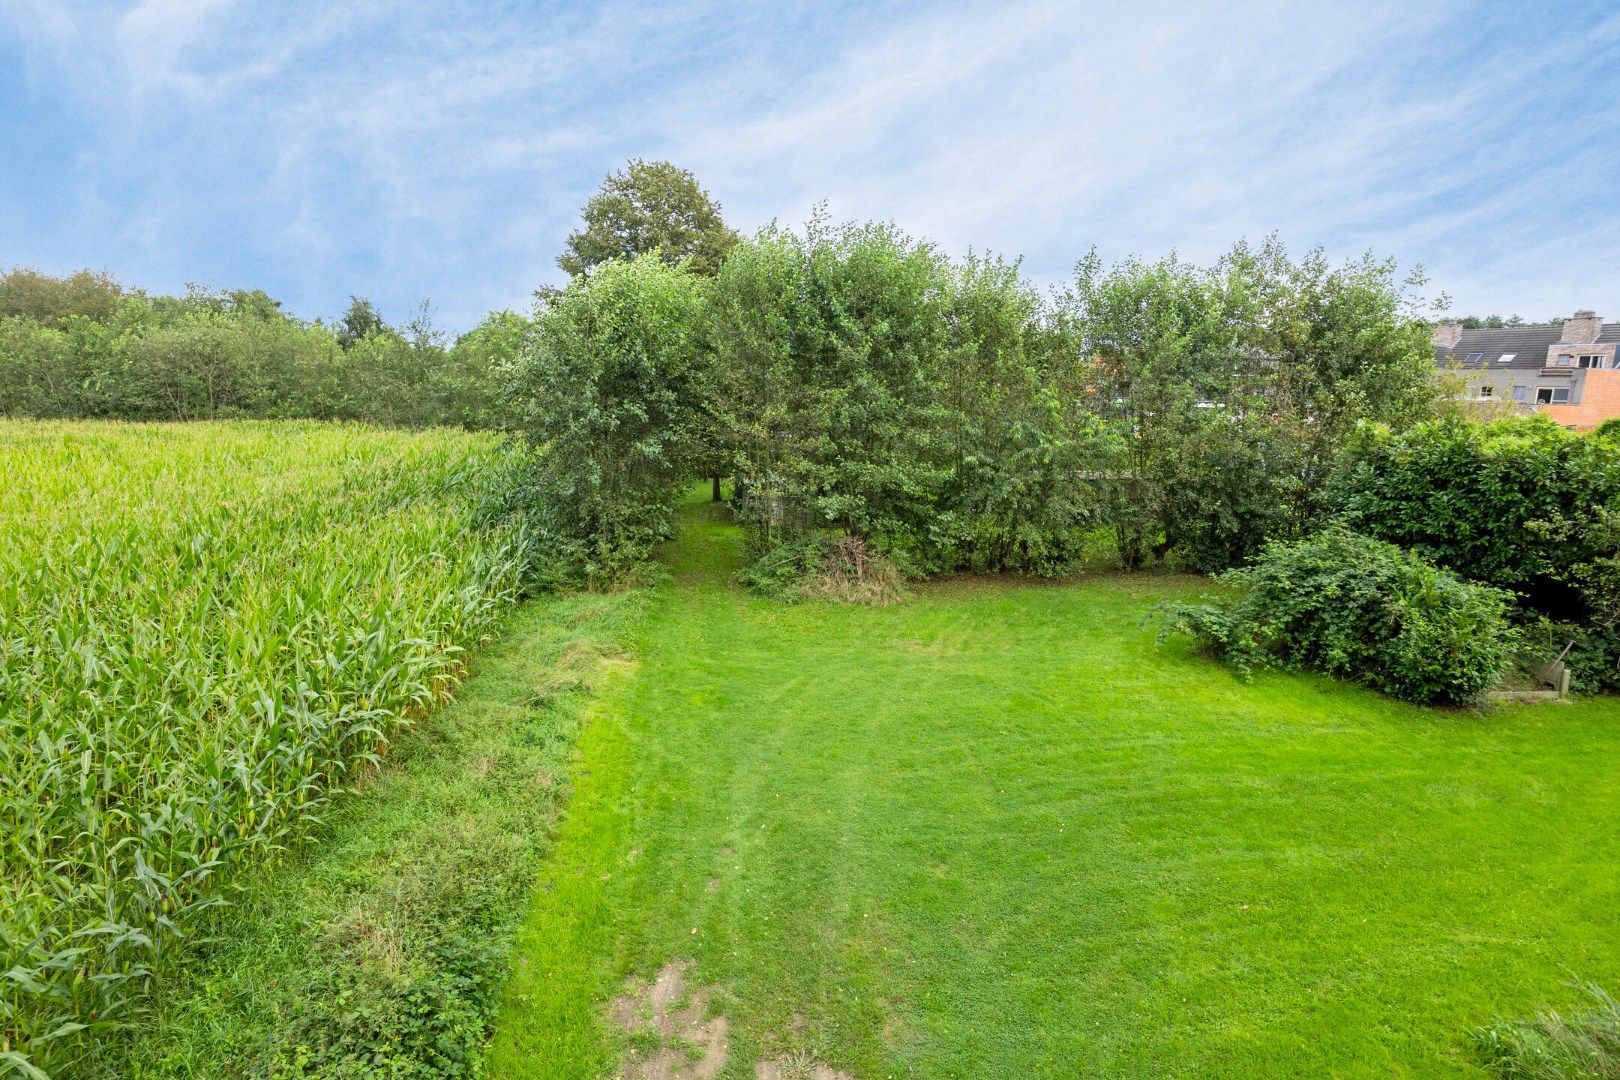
(377, 948)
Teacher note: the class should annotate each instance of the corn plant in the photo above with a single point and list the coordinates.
(206, 631)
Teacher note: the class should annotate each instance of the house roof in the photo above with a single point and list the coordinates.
(1528, 344)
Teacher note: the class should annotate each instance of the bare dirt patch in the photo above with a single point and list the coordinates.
(675, 1038)
(797, 1067)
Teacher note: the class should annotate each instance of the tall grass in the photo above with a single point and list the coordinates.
(1553, 1046)
(205, 631)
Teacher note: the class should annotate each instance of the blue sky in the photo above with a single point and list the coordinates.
(408, 151)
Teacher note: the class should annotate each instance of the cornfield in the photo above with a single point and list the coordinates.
(206, 631)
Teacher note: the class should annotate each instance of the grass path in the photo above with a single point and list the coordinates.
(996, 831)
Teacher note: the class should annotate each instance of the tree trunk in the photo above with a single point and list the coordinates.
(716, 489)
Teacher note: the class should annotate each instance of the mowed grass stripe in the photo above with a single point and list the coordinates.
(997, 830)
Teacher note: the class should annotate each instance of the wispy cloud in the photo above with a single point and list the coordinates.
(424, 150)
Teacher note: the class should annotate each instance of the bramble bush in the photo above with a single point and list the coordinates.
(1358, 609)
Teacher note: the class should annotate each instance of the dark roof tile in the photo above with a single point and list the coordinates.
(1528, 344)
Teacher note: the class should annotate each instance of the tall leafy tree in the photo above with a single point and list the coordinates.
(871, 387)
(608, 389)
(1234, 388)
(359, 322)
(650, 208)
(52, 300)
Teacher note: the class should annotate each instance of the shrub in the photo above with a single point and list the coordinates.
(1358, 609)
(608, 389)
(1554, 1047)
(1517, 503)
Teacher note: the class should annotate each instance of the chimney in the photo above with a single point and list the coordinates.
(1447, 332)
(1582, 328)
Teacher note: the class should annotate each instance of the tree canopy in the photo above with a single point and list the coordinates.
(650, 208)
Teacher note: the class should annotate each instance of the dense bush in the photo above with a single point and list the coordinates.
(82, 347)
(1519, 503)
(1515, 502)
(1359, 609)
(609, 388)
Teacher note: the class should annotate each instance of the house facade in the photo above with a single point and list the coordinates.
(1567, 370)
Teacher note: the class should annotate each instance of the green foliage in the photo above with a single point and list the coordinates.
(650, 208)
(29, 294)
(219, 355)
(867, 385)
(1233, 389)
(832, 348)
(205, 631)
(609, 389)
(359, 322)
(1520, 503)
(1585, 1046)
(1359, 609)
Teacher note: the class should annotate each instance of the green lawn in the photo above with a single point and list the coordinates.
(996, 831)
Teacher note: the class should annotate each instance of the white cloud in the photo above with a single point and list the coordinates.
(420, 148)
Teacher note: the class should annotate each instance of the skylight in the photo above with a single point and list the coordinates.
(1473, 358)
(1505, 357)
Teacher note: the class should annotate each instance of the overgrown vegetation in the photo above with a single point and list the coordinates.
(205, 632)
(1585, 1046)
(84, 347)
(1358, 609)
(377, 949)
(1519, 503)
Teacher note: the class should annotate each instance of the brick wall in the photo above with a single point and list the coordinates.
(1600, 400)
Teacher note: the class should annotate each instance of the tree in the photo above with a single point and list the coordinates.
(650, 207)
(1233, 389)
(607, 388)
(871, 389)
(52, 300)
(359, 322)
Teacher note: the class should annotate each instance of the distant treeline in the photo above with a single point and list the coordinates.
(84, 346)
